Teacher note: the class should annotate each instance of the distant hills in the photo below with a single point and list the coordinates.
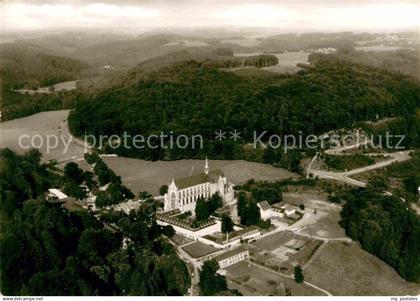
(110, 61)
(405, 61)
(25, 65)
(206, 57)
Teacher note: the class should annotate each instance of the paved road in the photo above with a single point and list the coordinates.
(194, 275)
(340, 150)
(345, 175)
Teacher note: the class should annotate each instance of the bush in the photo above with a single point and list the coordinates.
(298, 274)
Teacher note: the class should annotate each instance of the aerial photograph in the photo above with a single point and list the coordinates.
(219, 148)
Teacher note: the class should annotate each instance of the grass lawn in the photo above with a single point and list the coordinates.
(46, 125)
(140, 175)
(252, 280)
(346, 269)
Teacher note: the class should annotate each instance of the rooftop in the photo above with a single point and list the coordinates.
(57, 193)
(230, 253)
(264, 205)
(289, 207)
(198, 179)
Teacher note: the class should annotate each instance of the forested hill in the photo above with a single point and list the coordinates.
(189, 98)
(207, 56)
(29, 65)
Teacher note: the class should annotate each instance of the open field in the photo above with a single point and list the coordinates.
(287, 61)
(252, 280)
(281, 251)
(301, 195)
(63, 86)
(139, 175)
(346, 269)
(37, 126)
(324, 215)
(327, 226)
(198, 249)
(273, 241)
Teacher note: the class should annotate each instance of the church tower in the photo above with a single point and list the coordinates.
(206, 168)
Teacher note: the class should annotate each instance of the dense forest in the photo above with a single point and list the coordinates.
(49, 250)
(408, 126)
(189, 98)
(385, 226)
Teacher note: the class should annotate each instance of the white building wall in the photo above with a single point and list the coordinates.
(265, 214)
(196, 235)
(233, 259)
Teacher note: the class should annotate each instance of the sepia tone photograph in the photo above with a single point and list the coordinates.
(209, 148)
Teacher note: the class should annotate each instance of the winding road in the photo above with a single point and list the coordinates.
(345, 175)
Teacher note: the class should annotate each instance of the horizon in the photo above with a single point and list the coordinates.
(188, 15)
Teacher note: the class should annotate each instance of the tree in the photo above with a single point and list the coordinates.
(73, 172)
(168, 231)
(144, 195)
(298, 274)
(215, 202)
(202, 211)
(74, 190)
(91, 158)
(211, 283)
(378, 184)
(265, 224)
(241, 205)
(90, 182)
(253, 214)
(102, 199)
(163, 189)
(248, 210)
(227, 224)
